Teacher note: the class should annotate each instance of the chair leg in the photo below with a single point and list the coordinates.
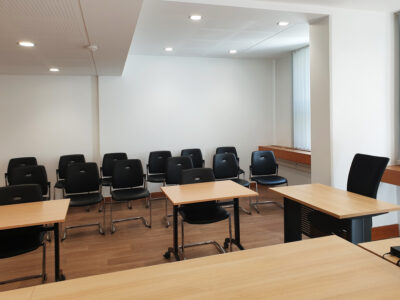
(44, 275)
(112, 227)
(129, 204)
(151, 214)
(183, 243)
(230, 233)
(255, 205)
(102, 229)
(167, 223)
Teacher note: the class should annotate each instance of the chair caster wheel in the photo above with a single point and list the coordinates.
(167, 255)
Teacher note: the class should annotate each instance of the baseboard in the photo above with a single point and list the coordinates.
(157, 195)
(384, 232)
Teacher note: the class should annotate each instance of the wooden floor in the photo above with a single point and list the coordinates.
(85, 252)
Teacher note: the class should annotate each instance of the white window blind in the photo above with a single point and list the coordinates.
(301, 99)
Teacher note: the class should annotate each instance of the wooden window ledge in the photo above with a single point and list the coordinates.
(392, 175)
(289, 154)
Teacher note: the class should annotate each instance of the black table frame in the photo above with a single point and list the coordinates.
(355, 230)
(236, 240)
(59, 276)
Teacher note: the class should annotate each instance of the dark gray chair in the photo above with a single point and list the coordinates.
(63, 163)
(19, 162)
(230, 149)
(195, 155)
(106, 170)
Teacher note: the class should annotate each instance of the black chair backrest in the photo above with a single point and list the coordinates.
(30, 175)
(229, 149)
(17, 194)
(157, 161)
(263, 163)
(66, 160)
(21, 162)
(174, 168)
(82, 178)
(195, 155)
(108, 162)
(197, 175)
(127, 174)
(225, 165)
(365, 174)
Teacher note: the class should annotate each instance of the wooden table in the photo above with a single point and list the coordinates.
(203, 192)
(37, 213)
(351, 213)
(323, 268)
(382, 247)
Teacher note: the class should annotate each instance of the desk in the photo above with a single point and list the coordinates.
(203, 192)
(300, 270)
(37, 213)
(381, 247)
(353, 211)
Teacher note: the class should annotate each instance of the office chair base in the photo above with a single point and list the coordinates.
(264, 202)
(215, 243)
(145, 223)
(240, 207)
(101, 231)
(167, 222)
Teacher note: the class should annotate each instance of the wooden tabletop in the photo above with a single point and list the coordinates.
(33, 213)
(206, 191)
(337, 203)
(322, 268)
(381, 247)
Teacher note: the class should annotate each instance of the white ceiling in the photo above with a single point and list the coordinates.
(253, 33)
(57, 27)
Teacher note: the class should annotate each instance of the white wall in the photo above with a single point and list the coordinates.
(172, 103)
(46, 117)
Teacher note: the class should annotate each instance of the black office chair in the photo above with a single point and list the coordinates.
(106, 170)
(364, 177)
(264, 171)
(202, 213)
(18, 241)
(174, 167)
(128, 184)
(230, 149)
(226, 167)
(32, 175)
(195, 155)
(19, 162)
(82, 186)
(155, 169)
(63, 163)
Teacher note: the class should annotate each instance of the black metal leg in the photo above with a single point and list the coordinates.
(236, 240)
(292, 221)
(58, 275)
(175, 249)
(361, 230)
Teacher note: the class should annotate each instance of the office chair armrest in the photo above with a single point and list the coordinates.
(101, 172)
(277, 169)
(5, 178)
(203, 163)
(57, 174)
(251, 169)
(144, 181)
(49, 189)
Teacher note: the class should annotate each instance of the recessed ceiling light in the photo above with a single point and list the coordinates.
(233, 51)
(54, 70)
(195, 17)
(26, 44)
(169, 49)
(283, 23)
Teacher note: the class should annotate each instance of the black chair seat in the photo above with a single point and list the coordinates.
(156, 178)
(85, 199)
(106, 181)
(130, 194)
(60, 184)
(203, 214)
(20, 240)
(243, 182)
(269, 180)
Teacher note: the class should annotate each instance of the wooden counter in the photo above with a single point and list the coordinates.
(392, 175)
(290, 154)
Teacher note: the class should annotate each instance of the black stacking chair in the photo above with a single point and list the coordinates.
(19, 162)
(364, 177)
(155, 169)
(63, 163)
(264, 171)
(195, 155)
(226, 167)
(106, 169)
(202, 213)
(230, 149)
(82, 186)
(128, 184)
(18, 241)
(174, 167)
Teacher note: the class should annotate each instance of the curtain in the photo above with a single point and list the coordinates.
(301, 99)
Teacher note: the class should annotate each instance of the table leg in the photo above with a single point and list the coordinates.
(236, 240)
(361, 230)
(292, 221)
(58, 275)
(175, 249)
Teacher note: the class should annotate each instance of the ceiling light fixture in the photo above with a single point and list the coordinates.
(283, 23)
(233, 51)
(195, 17)
(54, 70)
(26, 44)
(169, 49)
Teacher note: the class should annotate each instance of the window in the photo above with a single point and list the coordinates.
(301, 99)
